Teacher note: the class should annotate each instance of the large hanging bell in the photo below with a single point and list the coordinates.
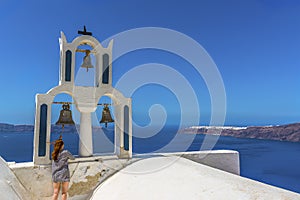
(65, 116)
(87, 63)
(106, 116)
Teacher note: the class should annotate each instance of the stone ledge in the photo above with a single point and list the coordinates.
(226, 160)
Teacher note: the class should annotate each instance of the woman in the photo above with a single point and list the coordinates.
(60, 169)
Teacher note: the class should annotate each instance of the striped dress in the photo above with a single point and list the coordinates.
(60, 168)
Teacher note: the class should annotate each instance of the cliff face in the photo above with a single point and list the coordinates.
(290, 132)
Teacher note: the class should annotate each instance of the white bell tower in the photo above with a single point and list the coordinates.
(85, 98)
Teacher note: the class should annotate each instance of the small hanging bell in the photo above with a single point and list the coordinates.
(106, 116)
(87, 63)
(65, 116)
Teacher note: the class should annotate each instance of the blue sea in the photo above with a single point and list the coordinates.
(272, 162)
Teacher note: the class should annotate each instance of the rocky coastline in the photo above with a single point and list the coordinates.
(288, 132)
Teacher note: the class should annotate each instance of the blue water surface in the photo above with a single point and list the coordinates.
(272, 162)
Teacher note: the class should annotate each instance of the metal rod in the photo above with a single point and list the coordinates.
(85, 51)
(61, 102)
(82, 50)
(65, 102)
(103, 104)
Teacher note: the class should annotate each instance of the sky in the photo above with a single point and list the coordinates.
(255, 45)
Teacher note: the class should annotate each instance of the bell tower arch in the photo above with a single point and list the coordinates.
(85, 99)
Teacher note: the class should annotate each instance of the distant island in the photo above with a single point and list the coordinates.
(10, 128)
(289, 132)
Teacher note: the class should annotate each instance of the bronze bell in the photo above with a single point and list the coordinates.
(106, 116)
(65, 116)
(87, 63)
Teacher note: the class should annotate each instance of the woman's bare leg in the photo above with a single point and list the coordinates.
(56, 187)
(65, 187)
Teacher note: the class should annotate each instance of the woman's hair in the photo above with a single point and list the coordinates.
(57, 146)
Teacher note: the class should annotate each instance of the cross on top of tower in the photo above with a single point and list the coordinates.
(84, 32)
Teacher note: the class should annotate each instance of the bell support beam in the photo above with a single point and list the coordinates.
(85, 104)
(85, 135)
